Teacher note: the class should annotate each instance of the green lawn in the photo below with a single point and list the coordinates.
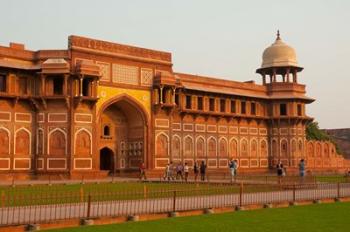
(333, 179)
(323, 217)
(44, 194)
(67, 193)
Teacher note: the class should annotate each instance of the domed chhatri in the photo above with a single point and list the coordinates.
(279, 55)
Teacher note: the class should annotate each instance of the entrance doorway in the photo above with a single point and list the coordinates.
(123, 127)
(106, 159)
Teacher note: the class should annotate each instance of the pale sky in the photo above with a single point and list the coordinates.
(214, 38)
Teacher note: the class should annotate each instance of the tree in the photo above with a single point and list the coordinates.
(313, 132)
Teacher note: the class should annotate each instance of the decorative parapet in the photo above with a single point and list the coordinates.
(323, 154)
(131, 51)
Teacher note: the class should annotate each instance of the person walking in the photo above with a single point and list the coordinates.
(179, 170)
(236, 167)
(171, 170)
(302, 169)
(142, 170)
(195, 171)
(167, 173)
(186, 171)
(279, 168)
(202, 170)
(233, 169)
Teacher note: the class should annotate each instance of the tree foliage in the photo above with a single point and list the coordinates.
(313, 132)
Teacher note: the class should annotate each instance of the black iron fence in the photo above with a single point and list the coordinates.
(22, 208)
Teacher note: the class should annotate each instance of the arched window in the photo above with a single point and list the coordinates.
(106, 131)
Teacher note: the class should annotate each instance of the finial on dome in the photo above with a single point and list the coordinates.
(278, 35)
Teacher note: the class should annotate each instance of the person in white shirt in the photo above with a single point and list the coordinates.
(186, 171)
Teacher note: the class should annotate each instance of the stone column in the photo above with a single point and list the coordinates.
(161, 94)
(81, 86)
(295, 79)
(287, 74)
(65, 87)
(264, 79)
(42, 78)
(173, 96)
(96, 88)
(274, 75)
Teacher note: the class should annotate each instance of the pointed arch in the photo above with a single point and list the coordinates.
(253, 147)
(263, 148)
(223, 150)
(233, 148)
(293, 147)
(300, 147)
(318, 150)
(310, 149)
(200, 147)
(5, 141)
(274, 146)
(140, 117)
(129, 99)
(284, 147)
(176, 146)
(82, 142)
(188, 146)
(23, 142)
(326, 150)
(212, 146)
(57, 142)
(244, 147)
(162, 145)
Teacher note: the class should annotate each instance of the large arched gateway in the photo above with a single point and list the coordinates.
(123, 129)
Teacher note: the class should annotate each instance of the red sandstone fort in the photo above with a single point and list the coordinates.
(100, 107)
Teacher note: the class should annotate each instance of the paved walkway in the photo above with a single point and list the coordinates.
(46, 213)
(245, 179)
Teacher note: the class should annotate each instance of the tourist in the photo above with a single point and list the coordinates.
(279, 168)
(186, 171)
(142, 169)
(279, 171)
(302, 168)
(202, 170)
(232, 169)
(195, 170)
(179, 170)
(171, 170)
(167, 174)
(347, 174)
(236, 166)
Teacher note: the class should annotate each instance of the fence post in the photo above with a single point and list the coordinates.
(3, 198)
(13, 181)
(144, 191)
(294, 189)
(174, 201)
(241, 194)
(81, 194)
(338, 190)
(88, 207)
